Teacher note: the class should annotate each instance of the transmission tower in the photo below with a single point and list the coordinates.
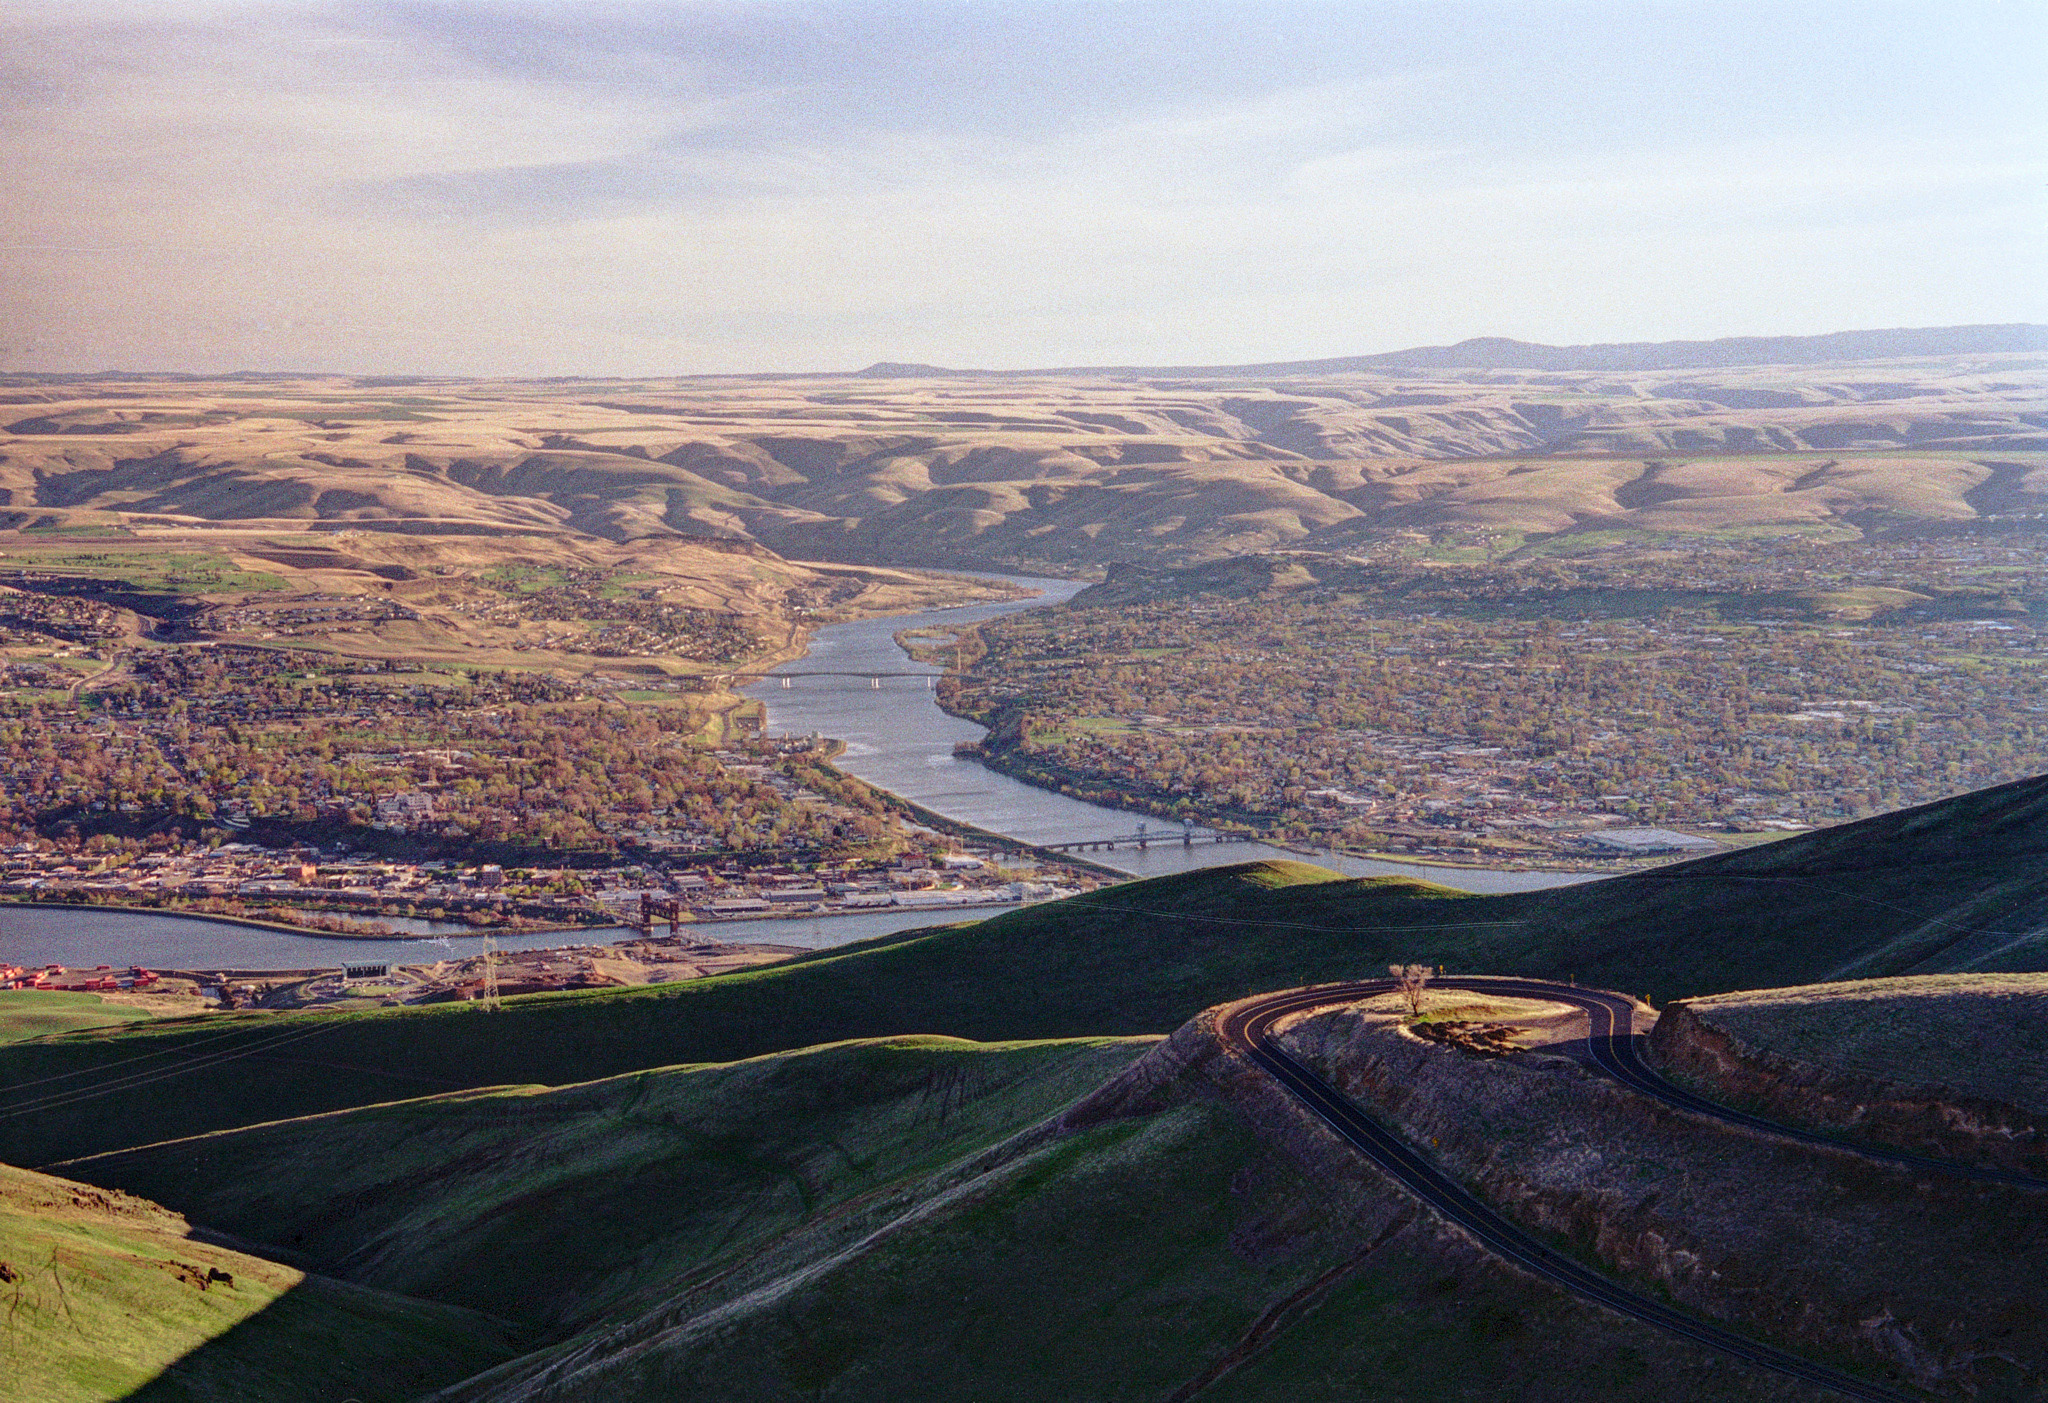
(490, 974)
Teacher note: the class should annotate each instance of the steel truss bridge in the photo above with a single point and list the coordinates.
(931, 679)
(1188, 835)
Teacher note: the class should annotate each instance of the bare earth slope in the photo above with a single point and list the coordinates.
(1950, 1065)
(1923, 1274)
(1054, 469)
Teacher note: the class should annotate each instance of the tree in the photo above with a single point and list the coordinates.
(1410, 980)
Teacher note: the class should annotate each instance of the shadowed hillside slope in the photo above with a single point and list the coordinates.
(918, 1218)
(1956, 885)
(678, 1174)
(1952, 1066)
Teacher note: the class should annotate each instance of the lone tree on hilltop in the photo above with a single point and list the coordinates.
(1410, 981)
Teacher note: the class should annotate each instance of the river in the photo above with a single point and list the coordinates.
(31, 935)
(898, 739)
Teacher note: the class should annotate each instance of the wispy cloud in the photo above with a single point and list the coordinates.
(562, 187)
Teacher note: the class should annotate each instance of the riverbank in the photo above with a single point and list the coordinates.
(732, 715)
(88, 937)
(310, 932)
(898, 740)
(688, 922)
(1002, 756)
(960, 828)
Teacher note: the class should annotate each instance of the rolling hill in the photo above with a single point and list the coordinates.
(1950, 886)
(1067, 470)
(1112, 1218)
(1505, 353)
(83, 1265)
(1098, 1219)
(806, 1181)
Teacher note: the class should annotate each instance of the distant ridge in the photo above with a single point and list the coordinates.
(903, 370)
(1501, 353)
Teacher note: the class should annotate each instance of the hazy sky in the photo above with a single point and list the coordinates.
(648, 189)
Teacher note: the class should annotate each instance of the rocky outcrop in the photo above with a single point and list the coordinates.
(1927, 1120)
(1816, 1249)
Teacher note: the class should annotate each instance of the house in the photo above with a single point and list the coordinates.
(407, 809)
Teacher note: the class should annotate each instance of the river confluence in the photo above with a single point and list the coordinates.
(898, 739)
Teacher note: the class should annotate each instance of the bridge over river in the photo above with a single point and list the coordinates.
(874, 676)
(899, 739)
(1189, 835)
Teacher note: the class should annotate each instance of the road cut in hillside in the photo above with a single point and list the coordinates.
(1183, 1231)
(1133, 1220)
(1793, 1252)
(1952, 1065)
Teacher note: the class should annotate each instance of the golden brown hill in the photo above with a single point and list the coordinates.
(1062, 471)
(659, 606)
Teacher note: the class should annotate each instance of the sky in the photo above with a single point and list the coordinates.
(703, 188)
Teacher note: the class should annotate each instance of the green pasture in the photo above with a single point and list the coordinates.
(35, 1013)
(157, 571)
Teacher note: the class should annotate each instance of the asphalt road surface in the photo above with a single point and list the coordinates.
(1613, 1049)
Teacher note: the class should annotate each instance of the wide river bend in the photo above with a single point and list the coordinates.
(898, 739)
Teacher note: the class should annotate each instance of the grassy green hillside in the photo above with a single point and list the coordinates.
(1133, 1261)
(1948, 887)
(1951, 886)
(1978, 1035)
(555, 1207)
(81, 1267)
(863, 1221)
(36, 1013)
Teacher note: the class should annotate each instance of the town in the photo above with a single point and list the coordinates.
(343, 984)
(1621, 703)
(351, 895)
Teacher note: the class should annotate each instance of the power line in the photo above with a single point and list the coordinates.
(137, 1080)
(490, 989)
(144, 1057)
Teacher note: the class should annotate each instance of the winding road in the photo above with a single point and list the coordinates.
(1614, 1048)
